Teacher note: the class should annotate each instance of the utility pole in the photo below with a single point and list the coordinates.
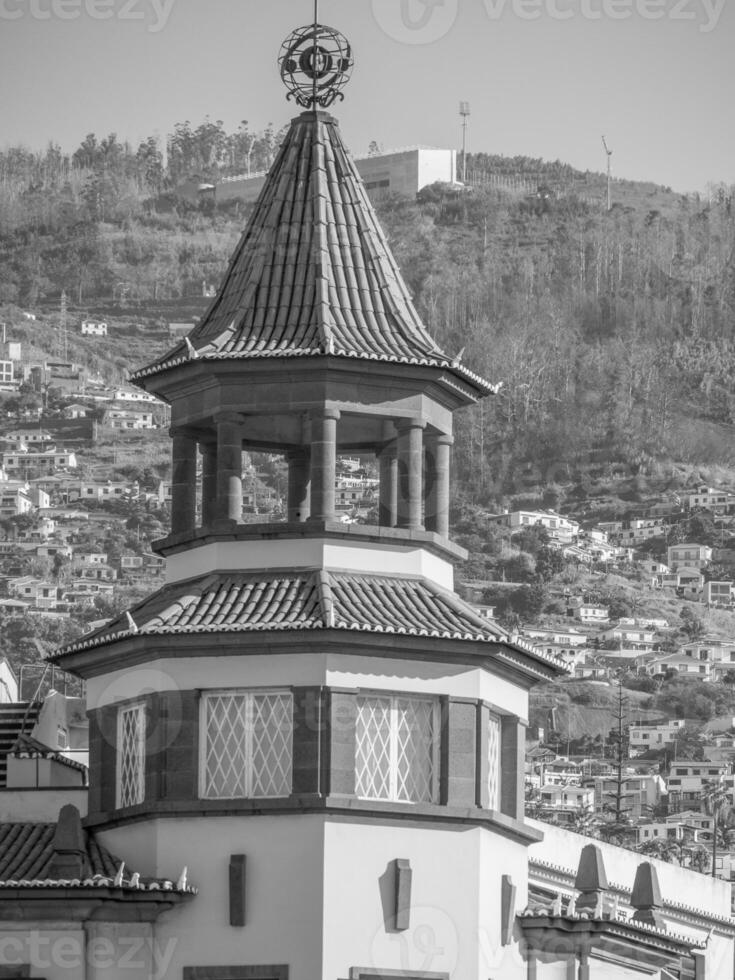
(609, 174)
(62, 325)
(464, 111)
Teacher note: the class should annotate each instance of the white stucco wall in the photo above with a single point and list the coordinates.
(418, 677)
(283, 893)
(309, 553)
(314, 894)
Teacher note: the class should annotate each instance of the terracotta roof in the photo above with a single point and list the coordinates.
(27, 855)
(313, 273)
(306, 600)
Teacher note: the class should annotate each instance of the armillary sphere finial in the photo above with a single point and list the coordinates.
(315, 63)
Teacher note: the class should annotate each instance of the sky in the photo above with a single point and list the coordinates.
(544, 78)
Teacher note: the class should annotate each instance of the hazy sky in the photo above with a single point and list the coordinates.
(543, 77)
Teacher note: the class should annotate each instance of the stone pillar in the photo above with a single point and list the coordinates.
(229, 467)
(437, 490)
(410, 475)
(323, 467)
(298, 485)
(183, 482)
(388, 503)
(209, 483)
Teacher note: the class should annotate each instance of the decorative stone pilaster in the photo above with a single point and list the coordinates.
(183, 482)
(299, 488)
(209, 483)
(229, 467)
(438, 452)
(323, 467)
(410, 473)
(388, 501)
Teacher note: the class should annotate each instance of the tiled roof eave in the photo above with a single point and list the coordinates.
(504, 648)
(469, 377)
(98, 882)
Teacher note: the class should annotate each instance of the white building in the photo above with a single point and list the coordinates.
(688, 556)
(718, 501)
(719, 593)
(561, 529)
(94, 328)
(644, 737)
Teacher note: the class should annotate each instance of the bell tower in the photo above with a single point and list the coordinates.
(306, 714)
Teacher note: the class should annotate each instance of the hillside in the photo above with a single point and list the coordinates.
(612, 334)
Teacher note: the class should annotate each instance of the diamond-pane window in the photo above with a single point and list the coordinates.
(493, 763)
(247, 744)
(396, 755)
(131, 755)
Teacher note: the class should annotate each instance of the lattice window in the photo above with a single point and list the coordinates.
(247, 744)
(396, 754)
(493, 762)
(131, 755)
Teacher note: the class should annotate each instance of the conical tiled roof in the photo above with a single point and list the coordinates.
(313, 273)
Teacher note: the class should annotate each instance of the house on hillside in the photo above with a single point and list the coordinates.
(688, 556)
(561, 529)
(122, 418)
(654, 735)
(590, 613)
(76, 411)
(720, 594)
(94, 328)
(630, 637)
(688, 781)
(717, 501)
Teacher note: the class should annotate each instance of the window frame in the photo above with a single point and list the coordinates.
(436, 727)
(249, 693)
(139, 707)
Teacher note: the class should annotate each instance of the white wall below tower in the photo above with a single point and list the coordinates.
(291, 554)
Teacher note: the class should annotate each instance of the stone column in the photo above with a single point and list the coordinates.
(388, 503)
(183, 482)
(229, 467)
(410, 466)
(298, 485)
(437, 490)
(323, 463)
(209, 483)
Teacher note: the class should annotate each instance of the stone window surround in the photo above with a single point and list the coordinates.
(463, 759)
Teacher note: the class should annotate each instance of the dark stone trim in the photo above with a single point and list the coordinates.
(419, 813)
(238, 864)
(459, 756)
(310, 740)
(245, 972)
(340, 762)
(512, 763)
